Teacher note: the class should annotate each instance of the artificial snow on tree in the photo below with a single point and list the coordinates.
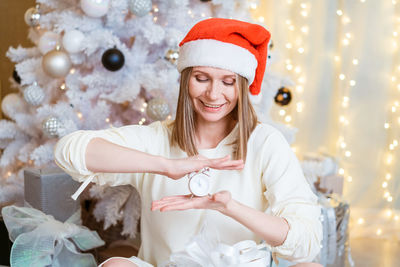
(81, 90)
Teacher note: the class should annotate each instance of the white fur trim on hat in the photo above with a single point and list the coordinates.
(213, 53)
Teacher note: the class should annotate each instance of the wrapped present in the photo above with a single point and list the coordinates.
(40, 240)
(335, 215)
(50, 190)
(321, 173)
(202, 251)
(335, 249)
(331, 184)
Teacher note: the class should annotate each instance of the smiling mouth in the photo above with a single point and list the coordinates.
(211, 106)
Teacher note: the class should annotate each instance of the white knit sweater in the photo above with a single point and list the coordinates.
(271, 181)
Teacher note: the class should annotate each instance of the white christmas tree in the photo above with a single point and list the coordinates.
(96, 64)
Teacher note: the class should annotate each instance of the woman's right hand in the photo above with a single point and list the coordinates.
(178, 168)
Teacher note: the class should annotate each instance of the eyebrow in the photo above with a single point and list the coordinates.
(224, 76)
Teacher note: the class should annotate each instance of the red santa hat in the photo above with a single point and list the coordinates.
(234, 45)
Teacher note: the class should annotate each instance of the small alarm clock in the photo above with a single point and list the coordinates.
(199, 182)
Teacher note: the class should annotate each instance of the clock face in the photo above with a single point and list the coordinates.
(199, 185)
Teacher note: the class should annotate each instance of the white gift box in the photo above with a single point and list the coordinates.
(202, 252)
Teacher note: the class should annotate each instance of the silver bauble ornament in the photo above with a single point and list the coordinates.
(32, 16)
(52, 126)
(34, 95)
(140, 7)
(13, 104)
(172, 56)
(56, 63)
(158, 109)
(95, 8)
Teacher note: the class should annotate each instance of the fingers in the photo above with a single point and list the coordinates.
(222, 197)
(180, 203)
(228, 165)
(178, 206)
(225, 163)
(172, 205)
(171, 200)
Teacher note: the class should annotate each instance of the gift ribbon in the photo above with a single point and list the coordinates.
(40, 240)
(82, 187)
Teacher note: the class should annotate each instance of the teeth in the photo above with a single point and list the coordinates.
(211, 106)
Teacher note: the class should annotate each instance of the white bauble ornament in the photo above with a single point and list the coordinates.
(32, 17)
(72, 41)
(56, 63)
(34, 95)
(95, 8)
(48, 41)
(199, 183)
(158, 109)
(140, 7)
(52, 127)
(13, 104)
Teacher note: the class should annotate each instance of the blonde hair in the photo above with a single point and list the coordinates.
(183, 128)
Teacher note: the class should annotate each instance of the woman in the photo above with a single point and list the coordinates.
(259, 194)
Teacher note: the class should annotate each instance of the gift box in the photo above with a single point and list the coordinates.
(205, 250)
(50, 190)
(335, 248)
(335, 251)
(321, 173)
(331, 184)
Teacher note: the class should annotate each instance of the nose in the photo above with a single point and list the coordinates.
(212, 91)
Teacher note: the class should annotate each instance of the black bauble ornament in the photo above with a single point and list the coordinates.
(113, 59)
(205, 0)
(16, 76)
(283, 97)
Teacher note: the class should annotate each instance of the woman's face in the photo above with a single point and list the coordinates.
(214, 92)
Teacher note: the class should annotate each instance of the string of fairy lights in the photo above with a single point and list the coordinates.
(297, 25)
(392, 122)
(296, 50)
(344, 71)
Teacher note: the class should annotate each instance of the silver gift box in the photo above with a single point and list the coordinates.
(50, 190)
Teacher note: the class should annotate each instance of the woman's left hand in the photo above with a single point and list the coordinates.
(218, 201)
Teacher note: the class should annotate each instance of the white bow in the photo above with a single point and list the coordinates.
(200, 252)
(40, 240)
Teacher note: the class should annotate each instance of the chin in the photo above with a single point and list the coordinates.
(212, 117)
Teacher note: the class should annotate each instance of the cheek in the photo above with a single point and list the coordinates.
(195, 89)
(234, 96)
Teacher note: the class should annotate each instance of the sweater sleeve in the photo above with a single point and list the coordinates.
(290, 197)
(69, 152)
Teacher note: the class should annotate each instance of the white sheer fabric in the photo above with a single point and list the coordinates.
(369, 28)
